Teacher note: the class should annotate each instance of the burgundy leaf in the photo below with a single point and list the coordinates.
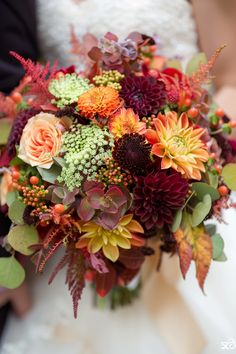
(84, 210)
(132, 258)
(98, 263)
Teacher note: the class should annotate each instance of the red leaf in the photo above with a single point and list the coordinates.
(105, 282)
(132, 258)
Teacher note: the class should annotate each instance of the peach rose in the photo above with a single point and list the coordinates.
(41, 140)
(5, 187)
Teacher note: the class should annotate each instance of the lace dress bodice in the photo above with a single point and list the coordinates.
(170, 20)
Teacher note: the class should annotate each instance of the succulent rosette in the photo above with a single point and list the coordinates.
(97, 164)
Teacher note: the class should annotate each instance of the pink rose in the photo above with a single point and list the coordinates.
(41, 140)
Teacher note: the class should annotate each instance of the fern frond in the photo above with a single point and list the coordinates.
(75, 276)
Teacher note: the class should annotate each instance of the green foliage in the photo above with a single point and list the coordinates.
(175, 64)
(201, 189)
(12, 274)
(218, 248)
(5, 128)
(11, 197)
(201, 210)
(194, 64)
(50, 175)
(21, 237)
(16, 212)
(210, 229)
(177, 220)
(229, 175)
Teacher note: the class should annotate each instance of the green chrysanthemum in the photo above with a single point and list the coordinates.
(68, 88)
(109, 78)
(86, 148)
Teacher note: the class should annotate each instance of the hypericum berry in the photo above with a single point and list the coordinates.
(193, 112)
(187, 102)
(17, 97)
(232, 124)
(15, 175)
(219, 112)
(34, 180)
(59, 208)
(223, 190)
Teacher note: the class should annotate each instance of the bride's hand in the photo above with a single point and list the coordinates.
(20, 299)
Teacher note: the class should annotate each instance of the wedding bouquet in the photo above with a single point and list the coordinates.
(110, 160)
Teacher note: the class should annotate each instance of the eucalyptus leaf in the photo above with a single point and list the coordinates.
(16, 212)
(201, 189)
(201, 210)
(213, 179)
(221, 258)
(60, 161)
(12, 274)
(21, 237)
(50, 175)
(194, 63)
(5, 128)
(218, 246)
(229, 175)
(175, 64)
(210, 229)
(11, 197)
(177, 220)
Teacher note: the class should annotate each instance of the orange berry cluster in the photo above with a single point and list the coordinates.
(149, 120)
(34, 196)
(112, 174)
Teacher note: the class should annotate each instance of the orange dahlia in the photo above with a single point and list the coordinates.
(178, 144)
(101, 101)
(125, 121)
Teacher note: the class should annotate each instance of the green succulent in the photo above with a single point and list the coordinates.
(67, 89)
(86, 148)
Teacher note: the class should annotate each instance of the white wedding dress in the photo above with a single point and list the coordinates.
(50, 327)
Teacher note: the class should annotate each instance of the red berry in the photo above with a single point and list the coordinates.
(219, 112)
(34, 180)
(187, 102)
(232, 124)
(59, 74)
(15, 175)
(89, 275)
(102, 292)
(17, 97)
(59, 208)
(193, 112)
(223, 190)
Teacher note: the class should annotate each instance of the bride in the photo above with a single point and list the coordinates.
(160, 322)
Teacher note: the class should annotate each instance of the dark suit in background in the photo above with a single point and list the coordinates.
(18, 33)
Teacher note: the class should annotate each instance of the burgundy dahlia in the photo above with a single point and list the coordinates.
(157, 196)
(145, 94)
(15, 135)
(132, 153)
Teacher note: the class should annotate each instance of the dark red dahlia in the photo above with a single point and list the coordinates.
(15, 135)
(132, 153)
(157, 196)
(145, 94)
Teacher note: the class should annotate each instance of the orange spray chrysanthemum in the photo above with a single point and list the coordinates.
(178, 144)
(101, 101)
(125, 121)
